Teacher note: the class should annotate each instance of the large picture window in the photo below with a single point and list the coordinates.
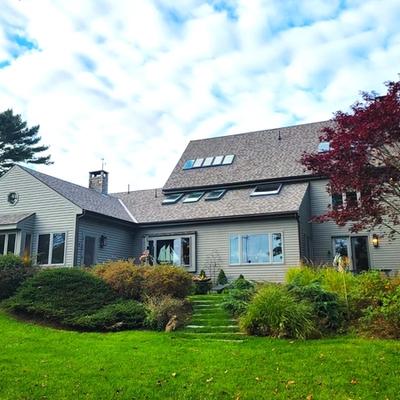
(262, 248)
(175, 250)
(51, 249)
(7, 243)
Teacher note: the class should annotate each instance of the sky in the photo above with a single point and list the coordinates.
(133, 81)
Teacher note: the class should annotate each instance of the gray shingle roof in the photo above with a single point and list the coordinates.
(236, 202)
(259, 156)
(85, 198)
(11, 219)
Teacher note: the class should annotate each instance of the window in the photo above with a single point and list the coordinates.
(228, 159)
(193, 197)
(188, 164)
(323, 147)
(351, 198)
(172, 198)
(208, 161)
(337, 200)
(176, 250)
(267, 189)
(7, 243)
(255, 249)
(215, 194)
(263, 248)
(51, 249)
(198, 163)
(218, 160)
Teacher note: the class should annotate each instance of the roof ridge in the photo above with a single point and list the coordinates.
(262, 130)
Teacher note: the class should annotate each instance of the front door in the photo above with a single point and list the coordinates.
(359, 247)
(88, 258)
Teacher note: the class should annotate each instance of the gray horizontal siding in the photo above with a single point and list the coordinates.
(212, 242)
(386, 256)
(54, 213)
(120, 239)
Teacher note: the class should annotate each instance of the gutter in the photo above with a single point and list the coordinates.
(78, 217)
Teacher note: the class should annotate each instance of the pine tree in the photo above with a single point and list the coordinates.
(18, 143)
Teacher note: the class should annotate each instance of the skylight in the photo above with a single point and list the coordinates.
(228, 159)
(218, 160)
(198, 163)
(172, 198)
(208, 161)
(193, 197)
(188, 164)
(215, 194)
(323, 147)
(267, 189)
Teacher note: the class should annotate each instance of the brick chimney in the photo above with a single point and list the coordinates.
(98, 181)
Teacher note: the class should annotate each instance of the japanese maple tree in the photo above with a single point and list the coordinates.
(363, 157)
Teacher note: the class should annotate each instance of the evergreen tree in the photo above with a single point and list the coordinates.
(18, 143)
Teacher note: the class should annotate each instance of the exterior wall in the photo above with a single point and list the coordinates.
(119, 239)
(212, 241)
(305, 231)
(386, 256)
(54, 213)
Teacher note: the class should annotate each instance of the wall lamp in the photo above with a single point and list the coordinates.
(375, 240)
(103, 241)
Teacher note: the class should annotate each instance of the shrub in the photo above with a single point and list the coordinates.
(222, 279)
(161, 309)
(235, 307)
(274, 311)
(61, 294)
(124, 277)
(241, 283)
(123, 314)
(167, 280)
(328, 311)
(302, 276)
(383, 321)
(13, 272)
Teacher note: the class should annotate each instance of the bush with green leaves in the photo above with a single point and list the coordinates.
(13, 272)
(328, 310)
(275, 311)
(222, 279)
(161, 309)
(61, 295)
(122, 314)
(241, 284)
(236, 301)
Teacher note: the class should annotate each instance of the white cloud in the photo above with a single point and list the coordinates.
(133, 82)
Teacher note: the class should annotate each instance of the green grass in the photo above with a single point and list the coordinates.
(43, 363)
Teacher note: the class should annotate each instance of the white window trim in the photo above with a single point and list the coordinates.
(270, 249)
(17, 241)
(192, 266)
(51, 247)
(267, 193)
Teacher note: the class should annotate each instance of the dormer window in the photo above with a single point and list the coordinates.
(193, 197)
(210, 161)
(323, 147)
(172, 198)
(267, 189)
(215, 194)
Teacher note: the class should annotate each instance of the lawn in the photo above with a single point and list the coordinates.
(43, 363)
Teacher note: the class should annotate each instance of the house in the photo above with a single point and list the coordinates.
(240, 202)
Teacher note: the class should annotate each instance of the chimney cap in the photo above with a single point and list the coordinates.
(98, 172)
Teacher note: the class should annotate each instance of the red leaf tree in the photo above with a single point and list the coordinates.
(363, 158)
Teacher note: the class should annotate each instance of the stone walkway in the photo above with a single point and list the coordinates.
(210, 320)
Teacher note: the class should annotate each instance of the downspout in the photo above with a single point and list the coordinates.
(78, 217)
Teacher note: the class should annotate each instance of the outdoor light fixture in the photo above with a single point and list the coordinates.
(375, 240)
(103, 241)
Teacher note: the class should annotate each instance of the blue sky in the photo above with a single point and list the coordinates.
(133, 81)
